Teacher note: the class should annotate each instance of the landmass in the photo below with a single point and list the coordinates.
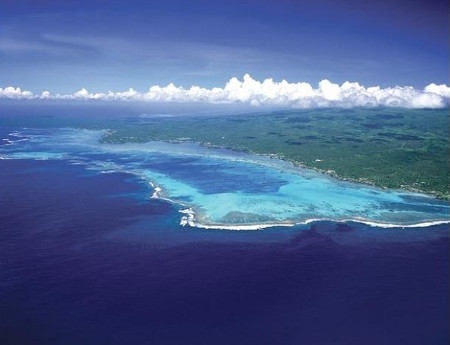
(386, 147)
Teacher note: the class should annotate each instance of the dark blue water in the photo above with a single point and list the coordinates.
(86, 258)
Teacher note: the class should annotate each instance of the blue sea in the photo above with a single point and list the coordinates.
(89, 253)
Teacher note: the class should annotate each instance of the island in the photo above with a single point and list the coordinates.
(386, 147)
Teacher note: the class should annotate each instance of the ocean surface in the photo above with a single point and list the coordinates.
(93, 252)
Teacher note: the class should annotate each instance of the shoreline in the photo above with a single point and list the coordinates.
(330, 173)
(297, 164)
(189, 217)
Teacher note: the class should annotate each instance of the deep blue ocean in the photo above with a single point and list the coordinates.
(88, 258)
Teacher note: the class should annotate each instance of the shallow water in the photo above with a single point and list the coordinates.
(228, 189)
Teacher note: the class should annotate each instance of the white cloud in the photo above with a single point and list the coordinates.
(15, 93)
(441, 90)
(256, 93)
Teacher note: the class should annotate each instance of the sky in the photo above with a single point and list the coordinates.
(65, 46)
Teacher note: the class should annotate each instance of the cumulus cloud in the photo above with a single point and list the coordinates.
(15, 93)
(268, 93)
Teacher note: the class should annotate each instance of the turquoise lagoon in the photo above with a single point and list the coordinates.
(218, 188)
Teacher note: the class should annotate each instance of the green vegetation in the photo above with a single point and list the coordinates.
(393, 148)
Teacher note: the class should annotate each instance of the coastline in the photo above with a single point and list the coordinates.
(194, 218)
(328, 172)
(296, 164)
